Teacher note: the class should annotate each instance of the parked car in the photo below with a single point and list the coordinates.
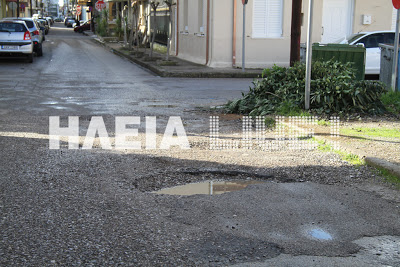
(15, 39)
(49, 20)
(36, 34)
(371, 41)
(70, 22)
(42, 27)
(66, 20)
(46, 25)
(81, 22)
(84, 27)
(59, 19)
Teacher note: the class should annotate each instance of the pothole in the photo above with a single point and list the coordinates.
(208, 188)
(320, 234)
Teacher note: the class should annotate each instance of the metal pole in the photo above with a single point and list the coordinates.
(244, 39)
(309, 54)
(396, 52)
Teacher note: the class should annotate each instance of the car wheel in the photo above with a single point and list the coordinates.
(80, 31)
(39, 50)
(30, 58)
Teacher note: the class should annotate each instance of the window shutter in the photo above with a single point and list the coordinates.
(274, 19)
(267, 18)
(394, 18)
(260, 19)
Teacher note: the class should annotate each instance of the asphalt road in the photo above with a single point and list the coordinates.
(93, 207)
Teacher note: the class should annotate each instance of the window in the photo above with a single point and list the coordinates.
(267, 18)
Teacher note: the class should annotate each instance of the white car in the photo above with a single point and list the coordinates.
(15, 39)
(371, 41)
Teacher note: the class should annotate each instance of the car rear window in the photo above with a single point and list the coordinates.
(11, 27)
(29, 23)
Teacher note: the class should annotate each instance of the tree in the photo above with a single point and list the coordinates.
(133, 25)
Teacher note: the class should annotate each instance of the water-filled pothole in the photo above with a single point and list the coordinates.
(320, 234)
(207, 188)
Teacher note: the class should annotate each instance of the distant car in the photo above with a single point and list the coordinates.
(84, 27)
(58, 19)
(36, 34)
(371, 41)
(70, 22)
(15, 39)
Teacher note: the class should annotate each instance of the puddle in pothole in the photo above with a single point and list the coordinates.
(207, 188)
(320, 234)
(161, 106)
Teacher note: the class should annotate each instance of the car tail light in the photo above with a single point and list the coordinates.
(27, 35)
(36, 32)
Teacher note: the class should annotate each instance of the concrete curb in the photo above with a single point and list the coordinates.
(178, 74)
(369, 160)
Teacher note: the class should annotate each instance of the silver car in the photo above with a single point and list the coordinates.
(15, 39)
(36, 35)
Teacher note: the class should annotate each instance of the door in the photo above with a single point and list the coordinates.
(336, 20)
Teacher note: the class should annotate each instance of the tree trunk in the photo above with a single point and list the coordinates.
(132, 29)
(154, 33)
(169, 31)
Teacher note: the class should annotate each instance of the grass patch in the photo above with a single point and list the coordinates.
(270, 123)
(323, 123)
(289, 109)
(162, 49)
(388, 176)
(372, 132)
(350, 158)
(391, 101)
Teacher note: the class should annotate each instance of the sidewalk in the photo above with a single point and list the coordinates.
(175, 67)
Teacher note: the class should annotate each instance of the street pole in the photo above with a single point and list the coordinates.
(309, 54)
(295, 32)
(17, 8)
(396, 52)
(244, 38)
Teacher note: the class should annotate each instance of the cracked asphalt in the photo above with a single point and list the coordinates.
(93, 207)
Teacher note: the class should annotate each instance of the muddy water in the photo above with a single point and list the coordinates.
(208, 188)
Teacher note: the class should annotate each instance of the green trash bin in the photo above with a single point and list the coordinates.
(343, 53)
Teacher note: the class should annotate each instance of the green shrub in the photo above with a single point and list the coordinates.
(391, 101)
(102, 24)
(334, 90)
(119, 31)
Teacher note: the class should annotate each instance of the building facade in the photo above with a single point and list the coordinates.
(210, 31)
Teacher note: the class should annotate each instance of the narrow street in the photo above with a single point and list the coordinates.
(95, 207)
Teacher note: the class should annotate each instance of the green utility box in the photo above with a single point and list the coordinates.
(343, 53)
